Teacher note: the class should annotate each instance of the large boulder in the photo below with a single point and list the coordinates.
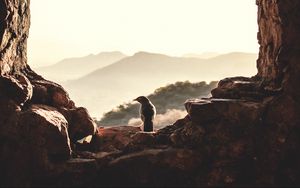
(31, 141)
(80, 122)
(46, 130)
(17, 88)
(206, 111)
(113, 138)
(51, 94)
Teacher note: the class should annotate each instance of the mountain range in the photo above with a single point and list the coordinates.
(204, 55)
(101, 82)
(73, 68)
(140, 74)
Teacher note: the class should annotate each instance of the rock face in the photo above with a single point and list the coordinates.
(246, 134)
(34, 130)
(278, 37)
(14, 29)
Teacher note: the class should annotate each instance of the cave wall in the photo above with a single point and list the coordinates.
(279, 67)
(39, 123)
(278, 36)
(14, 30)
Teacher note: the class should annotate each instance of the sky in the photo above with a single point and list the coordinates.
(73, 28)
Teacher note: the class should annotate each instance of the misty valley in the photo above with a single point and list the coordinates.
(107, 83)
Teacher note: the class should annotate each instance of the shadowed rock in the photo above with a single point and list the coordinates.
(52, 94)
(113, 138)
(80, 123)
(153, 167)
(205, 111)
(34, 134)
(17, 88)
(47, 129)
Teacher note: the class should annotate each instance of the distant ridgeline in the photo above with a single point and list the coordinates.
(171, 96)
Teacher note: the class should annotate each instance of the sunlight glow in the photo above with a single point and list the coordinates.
(72, 28)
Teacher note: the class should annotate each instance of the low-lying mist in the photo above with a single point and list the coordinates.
(161, 120)
(168, 100)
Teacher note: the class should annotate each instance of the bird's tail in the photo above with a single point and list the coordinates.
(148, 125)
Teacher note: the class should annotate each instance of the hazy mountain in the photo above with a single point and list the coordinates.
(204, 55)
(73, 68)
(161, 68)
(143, 72)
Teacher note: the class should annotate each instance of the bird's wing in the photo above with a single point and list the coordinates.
(148, 112)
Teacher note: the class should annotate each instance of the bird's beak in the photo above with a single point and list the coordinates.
(135, 99)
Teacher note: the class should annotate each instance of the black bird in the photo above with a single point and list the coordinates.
(147, 112)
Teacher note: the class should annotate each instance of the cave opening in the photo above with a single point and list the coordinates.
(114, 53)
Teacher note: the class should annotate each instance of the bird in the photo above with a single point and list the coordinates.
(147, 112)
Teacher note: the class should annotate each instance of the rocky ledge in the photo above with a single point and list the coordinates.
(221, 142)
(39, 125)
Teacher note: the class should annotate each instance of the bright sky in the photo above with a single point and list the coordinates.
(74, 28)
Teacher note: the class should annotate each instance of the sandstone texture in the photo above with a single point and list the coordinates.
(246, 134)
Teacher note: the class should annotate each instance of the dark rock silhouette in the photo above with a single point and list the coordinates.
(246, 134)
(35, 133)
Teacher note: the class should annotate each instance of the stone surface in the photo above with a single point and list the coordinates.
(31, 140)
(278, 37)
(80, 123)
(113, 138)
(33, 133)
(14, 29)
(17, 88)
(213, 110)
(152, 167)
(243, 88)
(46, 128)
(50, 93)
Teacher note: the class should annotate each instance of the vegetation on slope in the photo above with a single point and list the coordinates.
(165, 98)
